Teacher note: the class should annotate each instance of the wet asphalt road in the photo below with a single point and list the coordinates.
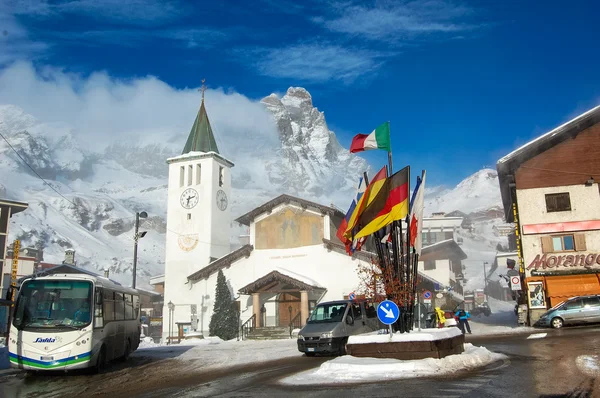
(564, 363)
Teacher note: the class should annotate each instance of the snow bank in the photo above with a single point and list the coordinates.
(351, 369)
(423, 335)
(4, 363)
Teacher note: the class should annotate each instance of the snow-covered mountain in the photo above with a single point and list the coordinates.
(89, 198)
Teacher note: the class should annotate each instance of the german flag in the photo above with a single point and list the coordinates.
(391, 204)
(370, 193)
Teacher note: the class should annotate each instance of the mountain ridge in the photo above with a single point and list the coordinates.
(101, 191)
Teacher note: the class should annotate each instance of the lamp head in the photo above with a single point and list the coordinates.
(589, 182)
(143, 214)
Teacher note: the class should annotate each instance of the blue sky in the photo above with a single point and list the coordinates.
(462, 83)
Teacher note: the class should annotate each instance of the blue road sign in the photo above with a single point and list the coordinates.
(352, 296)
(388, 312)
(427, 294)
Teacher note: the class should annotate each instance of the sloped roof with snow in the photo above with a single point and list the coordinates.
(247, 218)
(507, 165)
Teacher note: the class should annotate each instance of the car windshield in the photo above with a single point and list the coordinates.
(324, 313)
(53, 304)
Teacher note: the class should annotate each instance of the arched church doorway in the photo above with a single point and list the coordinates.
(288, 307)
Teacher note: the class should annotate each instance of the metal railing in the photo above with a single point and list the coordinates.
(295, 323)
(248, 326)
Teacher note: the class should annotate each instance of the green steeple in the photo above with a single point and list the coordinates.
(201, 138)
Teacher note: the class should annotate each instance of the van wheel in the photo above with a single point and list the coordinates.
(557, 323)
(342, 350)
(310, 354)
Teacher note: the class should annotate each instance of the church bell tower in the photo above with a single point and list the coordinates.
(198, 213)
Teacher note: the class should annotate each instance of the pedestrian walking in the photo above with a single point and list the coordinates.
(441, 317)
(463, 320)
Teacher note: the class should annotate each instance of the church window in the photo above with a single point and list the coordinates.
(181, 175)
(221, 175)
(190, 172)
(198, 174)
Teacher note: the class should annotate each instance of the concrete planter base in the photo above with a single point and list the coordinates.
(407, 350)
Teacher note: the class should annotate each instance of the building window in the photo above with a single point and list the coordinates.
(563, 243)
(189, 216)
(448, 235)
(198, 174)
(558, 202)
(429, 265)
(221, 175)
(181, 175)
(190, 173)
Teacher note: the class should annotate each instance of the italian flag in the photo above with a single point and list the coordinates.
(378, 139)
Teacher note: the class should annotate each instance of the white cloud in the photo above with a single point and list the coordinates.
(397, 21)
(129, 12)
(15, 42)
(101, 109)
(318, 62)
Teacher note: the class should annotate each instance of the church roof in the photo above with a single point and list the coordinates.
(275, 281)
(201, 138)
(220, 263)
(247, 218)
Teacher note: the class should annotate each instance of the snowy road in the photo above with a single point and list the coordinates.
(552, 365)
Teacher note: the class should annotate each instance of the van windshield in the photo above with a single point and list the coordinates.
(325, 313)
(53, 304)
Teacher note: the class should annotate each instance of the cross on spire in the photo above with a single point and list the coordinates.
(203, 88)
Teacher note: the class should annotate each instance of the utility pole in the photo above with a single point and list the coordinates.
(137, 237)
(485, 278)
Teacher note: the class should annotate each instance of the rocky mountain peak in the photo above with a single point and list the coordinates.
(297, 97)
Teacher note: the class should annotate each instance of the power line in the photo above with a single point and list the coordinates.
(35, 172)
(50, 185)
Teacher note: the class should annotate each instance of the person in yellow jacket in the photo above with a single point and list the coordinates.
(441, 317)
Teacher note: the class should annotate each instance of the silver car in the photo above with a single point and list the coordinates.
(576, 310)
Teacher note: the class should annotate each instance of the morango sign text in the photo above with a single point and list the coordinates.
(565, 261)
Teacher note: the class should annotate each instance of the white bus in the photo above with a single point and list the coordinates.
(73, 321)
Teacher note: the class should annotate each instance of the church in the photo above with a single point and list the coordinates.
(292, 259)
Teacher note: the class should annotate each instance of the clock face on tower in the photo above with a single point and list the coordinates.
(221, 200)
(189, 198)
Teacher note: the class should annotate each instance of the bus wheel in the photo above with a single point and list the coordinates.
(127, 351)
(101, 361)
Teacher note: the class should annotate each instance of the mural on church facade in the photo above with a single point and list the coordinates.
(288, 229)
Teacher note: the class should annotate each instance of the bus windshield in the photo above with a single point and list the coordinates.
(53, 304)
(328, 312)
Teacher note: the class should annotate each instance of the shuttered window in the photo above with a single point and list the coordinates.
(563, 243)
(558, 202)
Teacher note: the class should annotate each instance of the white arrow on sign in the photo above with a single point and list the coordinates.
(388, 313)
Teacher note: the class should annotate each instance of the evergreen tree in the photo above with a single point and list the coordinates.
(224, 320)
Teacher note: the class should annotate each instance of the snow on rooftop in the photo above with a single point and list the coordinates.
(549, 134)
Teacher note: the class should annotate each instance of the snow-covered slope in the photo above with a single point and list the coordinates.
(475, 193)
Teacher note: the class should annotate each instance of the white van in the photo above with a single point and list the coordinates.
(329, 325)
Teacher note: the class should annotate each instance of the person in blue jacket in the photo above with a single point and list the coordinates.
(463, 320)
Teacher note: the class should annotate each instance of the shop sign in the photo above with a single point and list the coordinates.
(566, 261)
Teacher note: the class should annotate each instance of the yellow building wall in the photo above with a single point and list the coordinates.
(289, 229)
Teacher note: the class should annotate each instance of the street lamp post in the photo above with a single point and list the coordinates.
(171, 308)
(136, 238)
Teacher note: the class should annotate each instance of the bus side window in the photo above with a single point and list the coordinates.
(109, 306)
(98, 310)
(136, 306)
